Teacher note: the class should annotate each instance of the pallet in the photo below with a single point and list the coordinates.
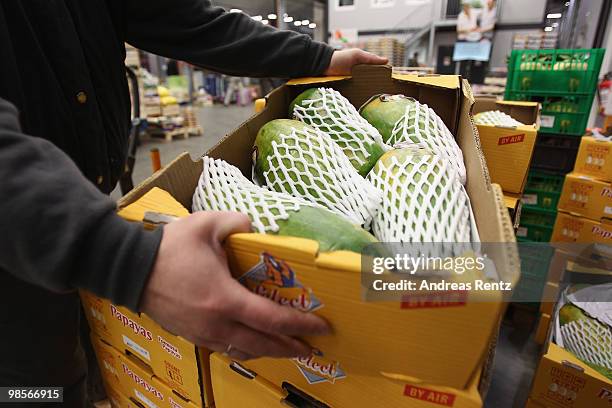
(182, 132)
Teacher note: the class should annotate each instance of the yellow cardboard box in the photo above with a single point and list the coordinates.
(586, 196)
(542, 330)
(532, 404)
(243, 384)
(118, 399)
(550, 296)
(508, 150)
(514, 204)
(135, 380)
(394, 337)
(571, 228)
(594, 158)
(563, 381)
(173, 359)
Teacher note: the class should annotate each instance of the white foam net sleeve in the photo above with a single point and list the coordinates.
(222, 187)
(590, 340)
(496, 118)
(308, 164)
(421, 125)
(423, 201)
(334, 115)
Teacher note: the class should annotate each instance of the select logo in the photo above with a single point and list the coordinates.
(432, 396)
(520, 138)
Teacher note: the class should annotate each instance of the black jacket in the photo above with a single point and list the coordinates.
(65, 129)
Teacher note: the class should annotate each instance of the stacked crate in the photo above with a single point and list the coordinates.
(564, 82)
(390, 48)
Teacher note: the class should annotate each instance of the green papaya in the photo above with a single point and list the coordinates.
(293, 158)
(587, 338)
(328, 111)
(423, 200)
(403, 120)
(222, 187)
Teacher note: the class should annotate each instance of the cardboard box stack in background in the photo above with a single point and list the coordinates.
(585, 206)
(359, 349)
(508, 150)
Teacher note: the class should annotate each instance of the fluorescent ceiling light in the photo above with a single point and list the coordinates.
(235, 11)
(297, 23)
(312, 25)
(305, 22)
(288, 19)
(264, 22)
(548, 28)
(554, 15)
(272, 16)
(257, 18)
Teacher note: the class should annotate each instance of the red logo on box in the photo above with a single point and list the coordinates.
(432, 300)
(435, 397)
(511, 139)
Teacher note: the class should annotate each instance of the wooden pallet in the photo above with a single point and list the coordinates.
(182, 132)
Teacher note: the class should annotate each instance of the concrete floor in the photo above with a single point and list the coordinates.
(516, 354)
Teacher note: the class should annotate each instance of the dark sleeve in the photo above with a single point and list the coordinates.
(231, 43)
(58, 230)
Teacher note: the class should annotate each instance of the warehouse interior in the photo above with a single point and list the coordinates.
(483, 134)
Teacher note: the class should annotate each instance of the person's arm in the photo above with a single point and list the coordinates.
(58, 230)
(231, 43)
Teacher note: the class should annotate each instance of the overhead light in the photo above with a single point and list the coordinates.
(554, 15)
(288, 19)
(305, 22)
(297, 23)
(264, 22)
(272, 16)
(257, 18)
(548, 28)
(312, 25)
(235, 11)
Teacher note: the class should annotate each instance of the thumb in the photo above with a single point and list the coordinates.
(228, 223)
(365, 57)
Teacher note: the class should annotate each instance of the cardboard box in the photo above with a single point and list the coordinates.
(514, 205)
(563, 381)
(532, 404)
(571, 228)
(243, 384)
(358, 344)
(173, 359)
(508, 150)
(118, 399)
(594, 158)
(550, 295)
(171, 110)
(135, 380)
(542, 330)
(587, 197)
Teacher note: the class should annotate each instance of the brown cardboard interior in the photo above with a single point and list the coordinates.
(524, 113)
(453, 105)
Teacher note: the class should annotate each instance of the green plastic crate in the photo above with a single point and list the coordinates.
(529, 289)
(554, 71)
(542, 191)
(536, 224)
(535, 259)
(568, 115)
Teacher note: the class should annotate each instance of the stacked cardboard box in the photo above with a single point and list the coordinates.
(585, 206)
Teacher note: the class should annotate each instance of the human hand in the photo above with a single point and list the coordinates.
(342, 61)
(192, 293)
